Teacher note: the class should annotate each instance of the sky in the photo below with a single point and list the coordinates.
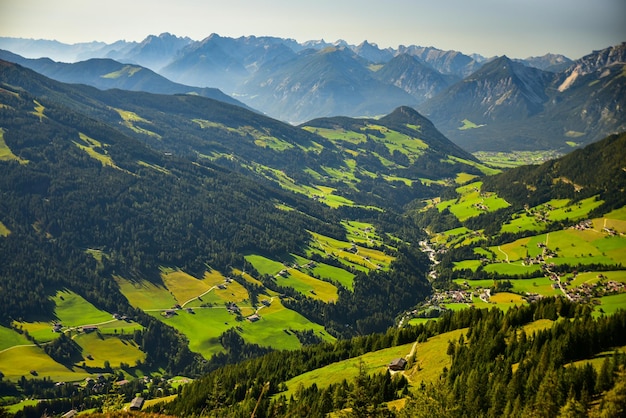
(516, 28)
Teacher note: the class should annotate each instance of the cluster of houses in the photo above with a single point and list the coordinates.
(586, 291)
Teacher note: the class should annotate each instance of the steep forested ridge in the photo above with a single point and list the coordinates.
(141, 208)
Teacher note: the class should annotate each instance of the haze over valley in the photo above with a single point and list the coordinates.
(263, 226)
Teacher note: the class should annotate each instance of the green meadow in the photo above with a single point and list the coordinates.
(307, 285)
(472, 202)
(610, 304)
(326, 271)
(10, 338)
(204, 326)
(144, 294)
(73, 310)
(5, 152)
(19, 361)
(373, 362)
(367, 258)
(430, 360)
(97, 348)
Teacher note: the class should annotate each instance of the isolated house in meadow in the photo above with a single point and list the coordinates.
(90, 328)
(253, 318)
(397, 364)
(136, 404)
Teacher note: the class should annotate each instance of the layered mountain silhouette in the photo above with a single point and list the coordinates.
(497, 104)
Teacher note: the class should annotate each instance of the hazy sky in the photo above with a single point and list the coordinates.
(517, 28)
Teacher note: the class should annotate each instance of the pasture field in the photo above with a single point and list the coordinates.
(15, 408)
(575, 211)
(203, 327)
(308, 286)
(5, 152)
(610, 304)
(511, 269)
(247, 277)
(472, 202)
(463, 178)
(108, 348)
(368, 258)
(4, 231)
(431, 358)
(451, 236)
(617, 214)
(264, 265)
(362, 233)
(572, 246)
(19, 361)
(506, 300)
(183, 286)
(373, 362)
(598, 359)
(466, 264)
(72, 310)
(326, 271)
(231, 292)
(144, 294)
(522, 222)
(273, 329)
(11, 338)
(39, 330)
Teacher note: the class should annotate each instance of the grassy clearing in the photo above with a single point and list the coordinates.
(432, 358)
(575, 211)
(203, 327)
(610, 304)
(374, 362)
(131, 119)
(511, 269)
(95, 150)
(467, 264)
(20, 361)
(41, 331)
(11, 338)
(273, 329)
(264, 265)
(326, 271)
(108, 348)
(155, 167)
(598, 359)
(183, 286)
(72, 310)
(351, 254)
(4, 231)
(468, 124)
(472, 202)
(126, 71)
(144, 294)
(463, 178)
(5, 152)
(308, 286)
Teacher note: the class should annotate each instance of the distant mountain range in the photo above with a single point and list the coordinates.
(490, 104)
